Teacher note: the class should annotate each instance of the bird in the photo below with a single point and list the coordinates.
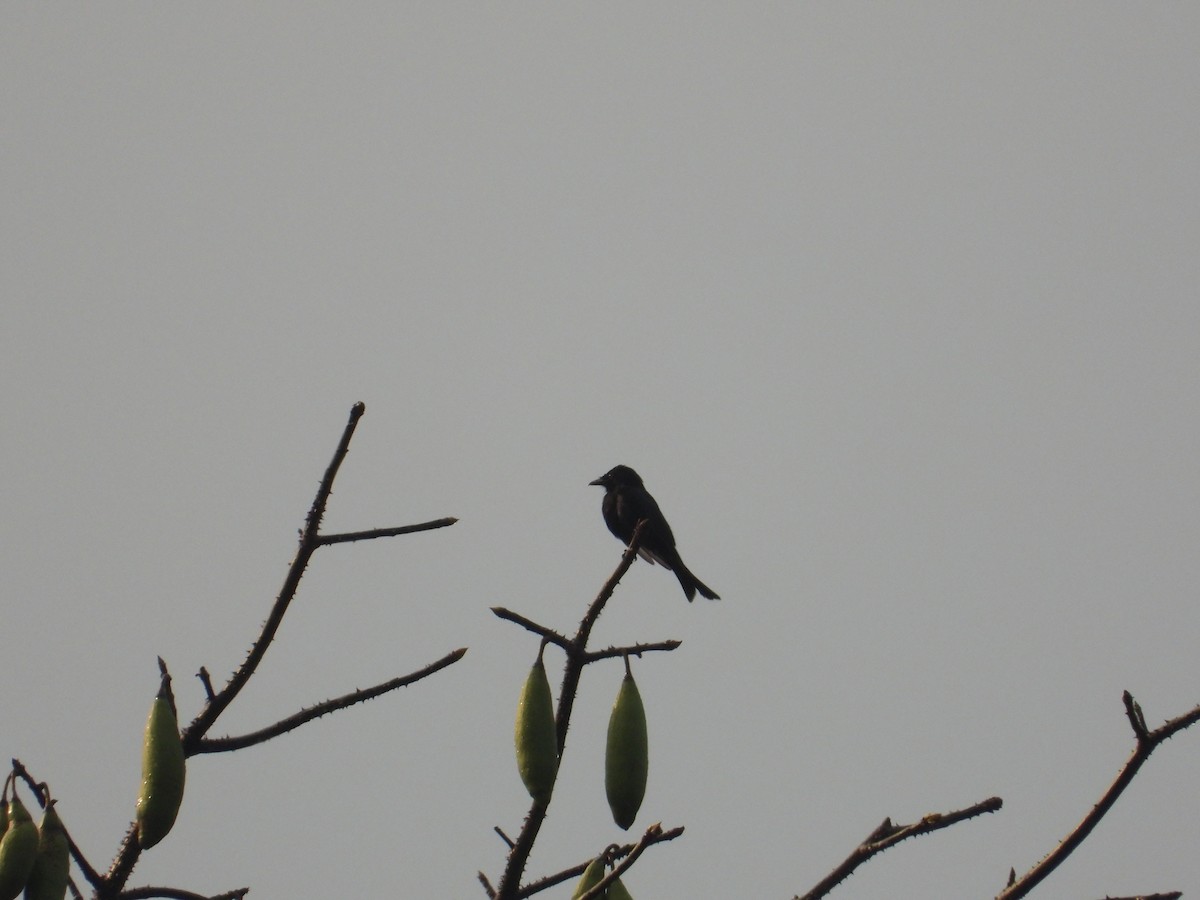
(626, 502)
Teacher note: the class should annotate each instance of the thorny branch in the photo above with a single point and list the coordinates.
(577, 657)
(169, 893)
(654, 835)
(219, 745)
(310, 540)
(1146, 743)
(888, 835)
(109, 886)
(567, 644)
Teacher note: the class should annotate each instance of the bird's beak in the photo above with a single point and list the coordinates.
(599, 482)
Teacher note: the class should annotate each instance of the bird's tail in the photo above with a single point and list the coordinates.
(691, 584)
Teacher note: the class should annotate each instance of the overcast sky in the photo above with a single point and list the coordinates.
(893, 306)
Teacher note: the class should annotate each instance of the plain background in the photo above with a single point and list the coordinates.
(892, 305)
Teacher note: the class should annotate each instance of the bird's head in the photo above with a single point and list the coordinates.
(618, 476)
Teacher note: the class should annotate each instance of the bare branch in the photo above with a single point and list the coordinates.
(634, 650)
(549, 881)
(487, 885)
(224, 744)
(148, 893)
(529, 625)
(654, 835)
(888, 835)
(109, 886)
(1147, 741)
(309, 542)
(647, 840)
(326, 540)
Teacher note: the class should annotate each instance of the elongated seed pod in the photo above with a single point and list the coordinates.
(535, 736)
(18, 850)
(617, 891)
(627, 755)
(590, 878)
(163, 771)
(51, 869)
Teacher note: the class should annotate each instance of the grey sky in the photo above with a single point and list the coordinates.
(893, 306)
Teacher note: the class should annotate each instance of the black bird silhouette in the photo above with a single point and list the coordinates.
(626, 502)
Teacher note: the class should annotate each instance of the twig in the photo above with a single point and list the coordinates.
(550, 881)
(654, 835)
(309, 542)
(224, 744)
(326, 540)
(888, 835)
(634, 650)
(170, 893)
(1147, 741)
(487, 885)
(529, 625)
(206, 681)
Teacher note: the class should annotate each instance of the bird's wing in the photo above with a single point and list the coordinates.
(652, 557)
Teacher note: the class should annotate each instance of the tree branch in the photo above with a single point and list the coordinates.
(510, 881)
(888, 835)
(654, 835)
(309, 541)
(326, 540)
(1147, 741)
(109, 886)
(147, 893)
(529, 625)
(224, 744)
(634, 650)
(647, 839)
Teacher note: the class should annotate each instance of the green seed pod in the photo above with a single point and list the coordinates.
(535, 735)
(591, 877)
(163, 771)
(616, 891)
(48, 880)
(18, 850)
(627, 755)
